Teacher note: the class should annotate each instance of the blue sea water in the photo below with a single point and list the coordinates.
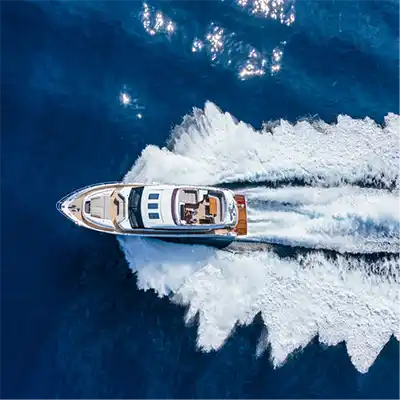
(87, 86)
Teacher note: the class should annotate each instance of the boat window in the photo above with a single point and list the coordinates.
(153, 196)
(152, 206)
(154, 215)
(135, 217)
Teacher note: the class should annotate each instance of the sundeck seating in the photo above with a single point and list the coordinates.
(100, 207)
(189, 197)
(213, 205)
(205, 205)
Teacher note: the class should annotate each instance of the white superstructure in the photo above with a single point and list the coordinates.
(155, 210)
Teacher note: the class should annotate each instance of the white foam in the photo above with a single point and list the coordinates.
(298, 298)
(211, 147)
(345, 219)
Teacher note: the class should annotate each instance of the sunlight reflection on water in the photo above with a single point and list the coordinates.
(221, 46)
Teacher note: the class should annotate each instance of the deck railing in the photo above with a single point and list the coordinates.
(71, 194)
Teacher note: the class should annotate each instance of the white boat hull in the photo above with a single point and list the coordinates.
(113, 208)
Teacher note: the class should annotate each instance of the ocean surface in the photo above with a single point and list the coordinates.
(295, 104)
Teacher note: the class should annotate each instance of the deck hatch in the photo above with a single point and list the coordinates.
(154, 196)
(154, 215)
(152, 206)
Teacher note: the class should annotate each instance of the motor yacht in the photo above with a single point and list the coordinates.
(160, 211)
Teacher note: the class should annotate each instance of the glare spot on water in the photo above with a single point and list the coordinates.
(154, 21)
(216, 40)
(129, 100)
(276, 60)
(254, 65)
(282, 10)
(125, 98)
(197, 45)
(221, 46)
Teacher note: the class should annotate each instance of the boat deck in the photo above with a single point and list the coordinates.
(76, 207)
(207, 208)
(241, 227)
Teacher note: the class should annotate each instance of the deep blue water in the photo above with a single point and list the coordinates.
(73, 324)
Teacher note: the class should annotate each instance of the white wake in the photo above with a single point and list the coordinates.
(339, 300)
(211, 147)
(297, 298)
(345, 219)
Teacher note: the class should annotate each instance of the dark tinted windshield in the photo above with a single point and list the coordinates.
(135, 217)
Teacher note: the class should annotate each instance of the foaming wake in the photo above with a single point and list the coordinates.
(345, 219)
(211, 147)
(338, 299)
(298, 298)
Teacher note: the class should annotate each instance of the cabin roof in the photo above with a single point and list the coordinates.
(156, 207)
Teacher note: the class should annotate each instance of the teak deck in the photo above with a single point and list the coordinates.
(213, 206)
(241, 227)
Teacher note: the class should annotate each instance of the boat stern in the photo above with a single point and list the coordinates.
(241, 225)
